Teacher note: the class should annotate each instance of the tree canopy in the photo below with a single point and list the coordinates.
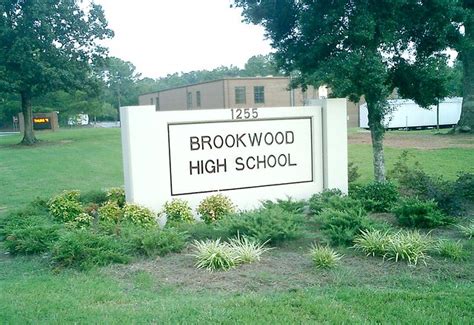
(362, 48)
(48, 45)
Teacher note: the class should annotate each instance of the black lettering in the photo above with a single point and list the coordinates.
(263, 161)
(282, 139)
(248, 159)
(257, 138)
(269, 142)
(224, 164)
(212, 168)
(194, 142)
(288, 133)
(273, 164)
(289, 161)
(197, 167)
(205, 139)
(239, 140)
(285, 160)
(221, 141)
(227, 142)
(240, 164)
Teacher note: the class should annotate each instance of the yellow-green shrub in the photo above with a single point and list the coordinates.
(214, 207)
(139, 215)
(65, 206)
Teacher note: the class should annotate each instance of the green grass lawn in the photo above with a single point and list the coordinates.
(283, 289)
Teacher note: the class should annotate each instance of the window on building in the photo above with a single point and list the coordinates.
(259, 94)
(151, 101)
(198, 99)
(240, 95)
(190, 99)
(157, 103)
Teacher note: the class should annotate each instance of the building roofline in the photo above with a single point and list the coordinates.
(211, 81)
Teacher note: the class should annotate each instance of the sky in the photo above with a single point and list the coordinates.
(162, 37)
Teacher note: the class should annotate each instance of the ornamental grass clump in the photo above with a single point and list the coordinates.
(372, 242)
(324, 257)
(451, 249)
(214, 255)
(247, 250)
(468, 230)
(409, 246)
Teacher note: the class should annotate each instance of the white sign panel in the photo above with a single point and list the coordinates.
(250, 155)
(230, 155)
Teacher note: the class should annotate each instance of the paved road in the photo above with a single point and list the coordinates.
(7, 133)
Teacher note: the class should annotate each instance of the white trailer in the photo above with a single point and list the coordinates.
(406, 113)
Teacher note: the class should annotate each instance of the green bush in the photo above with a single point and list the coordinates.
(352, 172)
(324, 257)
(110, 212)
(289, 205)
(412, 212)
(177, 211)
(214, 207)
(98, 197)
(332, 199)
(117, 195)
(202, 230)
(453, 198)
(162, 242)
(139, 215)
(66, 206)
(28, 234)
(376, 196)
(84, 249)
(273, 224)
(451, 249)
(341, 227)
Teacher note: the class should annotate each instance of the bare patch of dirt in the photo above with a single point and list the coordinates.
(416, 140)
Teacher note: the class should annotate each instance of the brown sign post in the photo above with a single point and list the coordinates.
(41, 121)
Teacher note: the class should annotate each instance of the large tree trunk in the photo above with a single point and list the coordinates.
(377, 131)
(29, 135)
(467, 57)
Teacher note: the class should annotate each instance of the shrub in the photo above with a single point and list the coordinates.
(451, 249)
(110, 212)
(213, 255)
(372, 242)
(377, 196)
(288, 205)
(410, 246)
(84, 249)
(352, 172)
(117, 195)
(83, 220)
(273, 224)
(452, 198)
(341, 227)
(333, 200)
(65, 206)
(247, 250)
(98, 197)
(28, 234)
(139, 215)
(324, 257)
(161, 242)
(202, 230)
(412, 212)
(214, 207)
(468, 230)
(177, 211)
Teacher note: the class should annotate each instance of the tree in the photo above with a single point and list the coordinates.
(360, 48)
(261, 65)
(465, 47)
(48, 45)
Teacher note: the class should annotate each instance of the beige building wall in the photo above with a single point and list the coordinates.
(211, 94)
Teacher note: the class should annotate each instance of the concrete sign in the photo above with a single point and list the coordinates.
(248, 154)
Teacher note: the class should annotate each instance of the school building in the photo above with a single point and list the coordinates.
(239, 92)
